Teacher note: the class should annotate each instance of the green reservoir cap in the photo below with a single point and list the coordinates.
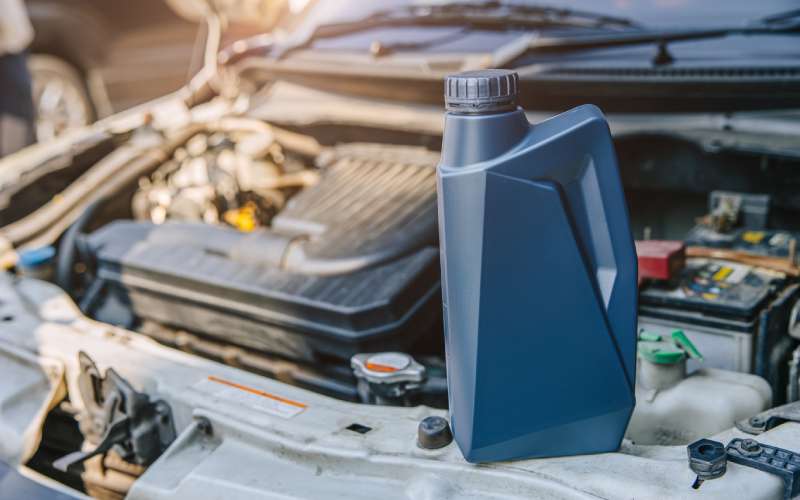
(655, 349)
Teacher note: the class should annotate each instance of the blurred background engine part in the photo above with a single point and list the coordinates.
(736, 293)
(238, 178)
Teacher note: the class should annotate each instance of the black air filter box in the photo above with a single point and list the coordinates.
(351, 265)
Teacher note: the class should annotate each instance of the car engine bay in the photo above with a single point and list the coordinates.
(315, 262)
(292, 278)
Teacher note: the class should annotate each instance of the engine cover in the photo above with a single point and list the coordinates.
(351, 265)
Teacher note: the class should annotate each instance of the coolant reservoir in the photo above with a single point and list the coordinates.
(673, 408)
(538, 276)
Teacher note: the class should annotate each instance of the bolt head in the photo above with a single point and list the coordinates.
(748, 447)
(750, 444)
(433, 433)
(204, 426)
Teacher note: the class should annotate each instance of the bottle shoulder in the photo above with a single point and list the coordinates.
(564, 138)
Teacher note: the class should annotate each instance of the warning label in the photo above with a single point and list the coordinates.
(251, 397)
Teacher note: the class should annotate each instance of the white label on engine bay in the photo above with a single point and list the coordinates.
(249, 396)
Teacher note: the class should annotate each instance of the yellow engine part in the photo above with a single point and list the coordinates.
(242, 218)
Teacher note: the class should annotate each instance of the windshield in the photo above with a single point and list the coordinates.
(687, 54)
(306, 14)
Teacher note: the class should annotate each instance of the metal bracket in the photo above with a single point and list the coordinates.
(770, 419)
(119, 417)
(770, 459)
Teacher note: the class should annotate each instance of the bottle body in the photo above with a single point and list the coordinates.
(539, 285)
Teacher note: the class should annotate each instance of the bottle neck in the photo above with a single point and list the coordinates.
(471, 138)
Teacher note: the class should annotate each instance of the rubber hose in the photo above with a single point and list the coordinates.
(68, 246)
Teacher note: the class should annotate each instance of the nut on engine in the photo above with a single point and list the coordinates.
(708, 459)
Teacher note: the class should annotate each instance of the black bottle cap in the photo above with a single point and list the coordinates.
(433, 433)
(481, 92)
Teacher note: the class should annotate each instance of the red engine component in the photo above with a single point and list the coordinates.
(660, 259)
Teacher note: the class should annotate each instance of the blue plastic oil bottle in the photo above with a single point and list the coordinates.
(538, 274)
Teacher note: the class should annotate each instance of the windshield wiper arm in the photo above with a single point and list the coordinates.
(781, 18)
(491, 14)
(509, 11)
(379, 49)
(781, 23)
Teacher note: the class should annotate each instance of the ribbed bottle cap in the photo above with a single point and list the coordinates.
(484, 91)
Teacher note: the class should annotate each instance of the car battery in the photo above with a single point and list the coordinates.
(737, 314)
